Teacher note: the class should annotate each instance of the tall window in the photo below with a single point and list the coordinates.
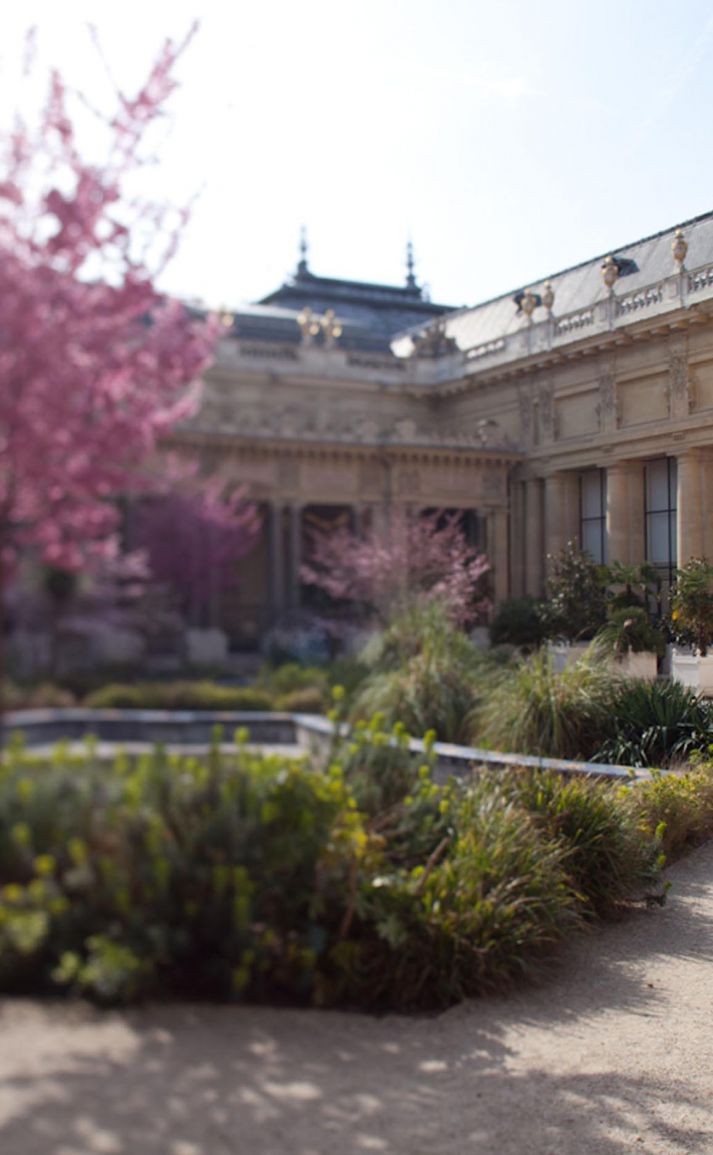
(593, 514)
(661, 515)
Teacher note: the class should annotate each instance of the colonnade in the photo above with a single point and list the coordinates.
(546, 513)
(284, 529)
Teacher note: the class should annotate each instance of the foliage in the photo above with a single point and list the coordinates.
(291, 676)
(414, 557)
(96, 362)
(576, 608)
(177, 696)
(634, 585)
(559, 715)
(518, 622)
(427, 674)
(678, 808)
(692, 605)
(194, 538)
(43, 696)
(239, 876)
(309, 700)
(656, 723)
(629, 629)
(607, 861)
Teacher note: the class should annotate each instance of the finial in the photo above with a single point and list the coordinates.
(410, 275)
(679, 248)
(610, 272)
(302, 263)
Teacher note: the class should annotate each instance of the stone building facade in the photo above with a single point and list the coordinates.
(580, 408)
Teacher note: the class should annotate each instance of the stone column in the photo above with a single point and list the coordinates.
(518, 561)
(689, 501)
(294, 562)
(497, 535)
(625, 512)
(276, 558)
(534, 538)
(561, 510)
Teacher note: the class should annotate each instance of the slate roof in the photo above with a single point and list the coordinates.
(370, 314)
(581, 286)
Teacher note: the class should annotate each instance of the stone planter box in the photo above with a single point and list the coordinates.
(641, 665)
(693, 671)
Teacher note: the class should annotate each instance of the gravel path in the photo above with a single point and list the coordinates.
(613, 1053)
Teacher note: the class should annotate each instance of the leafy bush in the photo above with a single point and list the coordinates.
(46, 695)
(427, 675)
(577, 596)
(677, 808)
(656, 723)
(534, 710)
(291, 676)
(310, 700)
(692, 605)
(238, 876)
(178, 696)
(629, 629)
(519, 622)
(607, 861)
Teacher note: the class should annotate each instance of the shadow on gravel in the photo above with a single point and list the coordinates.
(210, 1080)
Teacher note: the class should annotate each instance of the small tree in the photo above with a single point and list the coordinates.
(692, 605)
(194, 540)
(95, 364)
(417, 557)
(576, 606)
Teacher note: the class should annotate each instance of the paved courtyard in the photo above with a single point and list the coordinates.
(612, 1053)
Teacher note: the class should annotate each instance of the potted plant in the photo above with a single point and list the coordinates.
(576, 604)
(631, 640)
(692, 625)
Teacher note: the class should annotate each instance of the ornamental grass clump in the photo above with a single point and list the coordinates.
(534, 710)
(427, 675)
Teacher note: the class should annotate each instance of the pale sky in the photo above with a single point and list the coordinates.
(509, 139)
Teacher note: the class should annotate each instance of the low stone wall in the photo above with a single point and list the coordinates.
(312, 733)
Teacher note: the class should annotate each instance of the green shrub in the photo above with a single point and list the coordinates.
(606, 859)
(46, 695)
(629, 629)
(656, 723)
(576, 589)
(239, 876)
(470, 920)
(291, 676)
(519, 622)
(310, 700)
(179, 696)
(677, 808)
(534, 710)
(427, 675)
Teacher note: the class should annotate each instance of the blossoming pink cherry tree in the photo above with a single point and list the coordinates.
(95, 363)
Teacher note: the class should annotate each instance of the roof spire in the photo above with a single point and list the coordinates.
(302, 263)
(410, 277)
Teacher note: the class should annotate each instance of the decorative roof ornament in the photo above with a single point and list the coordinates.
(548, 296)
(528, 303)
(302, 267)
(309, 325)
(679, 249)
(610, 272)
(433, 341)
(331, 329)
(410, 274)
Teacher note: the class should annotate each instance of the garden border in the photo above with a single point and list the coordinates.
(308, 731)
